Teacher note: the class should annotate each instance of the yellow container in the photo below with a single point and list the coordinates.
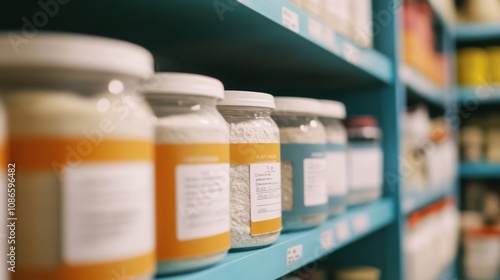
(494, 59)
(473, 66)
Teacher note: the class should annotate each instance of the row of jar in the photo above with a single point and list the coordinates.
(85, 153)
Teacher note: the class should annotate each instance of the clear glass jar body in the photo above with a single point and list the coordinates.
(304, 196)
(365, 164)
(189, 123)
(336, 165)
(72, 135)
(253, 135)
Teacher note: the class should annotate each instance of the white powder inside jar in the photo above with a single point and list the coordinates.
(251, 131)
(297, 135)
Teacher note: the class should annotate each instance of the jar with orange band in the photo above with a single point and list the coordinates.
(81, 139)
(192, 172)
(255, 168)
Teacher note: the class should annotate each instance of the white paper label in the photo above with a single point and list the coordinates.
(365, 168)
(202, 193)
(107, 212)
(326, 239)
(293, 254)
(361, 223)
(265, 191)
(315, 29)
(290, 19)
(330, 41)
(351, 53)
(343, 232)
(336, 174)
(315, 192)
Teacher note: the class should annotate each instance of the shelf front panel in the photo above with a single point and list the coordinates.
(480, 170)
(413, 201)
(421, 86)
(478, 31)
(296, 249)
(486, 94)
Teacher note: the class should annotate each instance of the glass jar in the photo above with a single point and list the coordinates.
(255, 168)
(192, 178)
(304, 195)
(333, 113)
(365, 160)
(81, 139)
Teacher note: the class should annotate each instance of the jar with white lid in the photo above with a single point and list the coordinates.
(81, 138)
(304, 196)
(333, 112)
(255, 168)
(364, 160)
(192, 172)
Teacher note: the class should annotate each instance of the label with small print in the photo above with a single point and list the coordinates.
(263, 160)
(351, 53)
(342, 230)
(192, 200)
(107, 198)
(365, 166)
(293, 254)
(290, 19)
(315, 29)
(336, 165)
(326, 239)
(360, 223)
(310, 195)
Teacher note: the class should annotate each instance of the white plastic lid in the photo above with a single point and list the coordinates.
(188, 84)
(61, 51)
(332, 109)
(298, 105)
(247, 98)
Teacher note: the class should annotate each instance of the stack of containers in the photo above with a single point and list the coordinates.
(255, 176)
(192, 172)
(482, 253)
(479, 66)
(86, 200)
(333, 113)
(303, 140)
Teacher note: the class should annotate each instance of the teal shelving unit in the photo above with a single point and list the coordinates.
(276, 47)
(478, 31)
(480, 170)
(486, 94)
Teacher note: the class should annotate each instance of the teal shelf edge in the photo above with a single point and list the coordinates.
(307, 26)
(413, 201)
(311, 245)
(478, 31)
(450, 272)
(486, 94)
(479, 170)
(421, 86)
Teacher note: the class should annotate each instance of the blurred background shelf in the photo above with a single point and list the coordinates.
(479, 170)
(256, 44)
(311, 245)
(478, 31)
(487, 94)
(413, 201)
(422, 87)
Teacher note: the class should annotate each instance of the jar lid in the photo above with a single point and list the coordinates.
(332, 109)
(362, 121)
(60, 51)
(247, 99)
(185, 84)
(298, 105)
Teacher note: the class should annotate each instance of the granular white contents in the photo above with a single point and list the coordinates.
(250, 131)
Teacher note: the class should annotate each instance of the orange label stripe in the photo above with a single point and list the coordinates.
(248, 153)
(45, 153)
(263, 227)
(168, 156)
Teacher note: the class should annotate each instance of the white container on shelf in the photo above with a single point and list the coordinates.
(82, 140)
(304, 196)
(337, 15)
(192, 172)
(482, 253)
(361, 13)
(333, 112)
(255, 168)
